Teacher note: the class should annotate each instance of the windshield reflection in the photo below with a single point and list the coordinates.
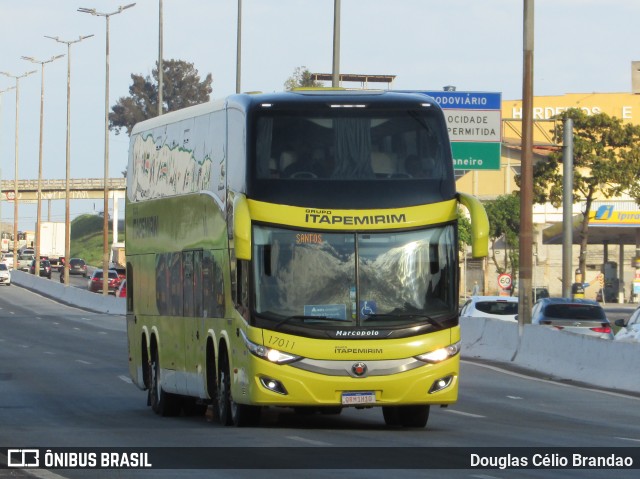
(342, 279)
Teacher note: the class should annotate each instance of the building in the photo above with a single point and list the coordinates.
(614, 235)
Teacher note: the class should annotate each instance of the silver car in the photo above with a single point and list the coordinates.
(629, 330)
(497, 307)
(582, 316)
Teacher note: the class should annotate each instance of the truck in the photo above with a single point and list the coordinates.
(52, 236)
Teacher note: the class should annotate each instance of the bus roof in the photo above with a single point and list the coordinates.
(300, 97)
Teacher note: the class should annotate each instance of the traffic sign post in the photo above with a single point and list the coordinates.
(474, 122)
(504, 281)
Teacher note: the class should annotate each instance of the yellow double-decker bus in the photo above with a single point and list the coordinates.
(298, 250)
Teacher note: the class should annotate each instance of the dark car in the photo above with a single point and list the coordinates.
(45, 268)
(96, 283)
(78, 266)
(582, 316)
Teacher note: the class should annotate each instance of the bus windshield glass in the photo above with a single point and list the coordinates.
(351, 144)
(337, 280)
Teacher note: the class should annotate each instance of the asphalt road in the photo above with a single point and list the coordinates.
(64, 383)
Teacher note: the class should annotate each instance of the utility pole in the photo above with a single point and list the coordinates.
(526, 189)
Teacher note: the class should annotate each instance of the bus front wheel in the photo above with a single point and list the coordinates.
(407, 416)
(229, 411)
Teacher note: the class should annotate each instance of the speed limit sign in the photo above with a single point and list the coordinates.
(504, 281)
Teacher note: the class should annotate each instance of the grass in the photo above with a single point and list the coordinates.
(87, 239)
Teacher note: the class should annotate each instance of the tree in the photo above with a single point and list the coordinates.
(504, 222)
(606, 159)
(464, 231)
(301, 78)
(181, 88)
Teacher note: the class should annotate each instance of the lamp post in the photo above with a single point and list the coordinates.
(105, 251)
(239, 47)
(15, 184)
(1, 92)
(39, 199)
(67, 217)
(160, 66)
(335, 75)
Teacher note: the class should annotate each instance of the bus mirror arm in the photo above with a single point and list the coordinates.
(479, 225)
(241, 227)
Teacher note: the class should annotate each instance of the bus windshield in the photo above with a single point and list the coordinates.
(337, 280)
(351, 144)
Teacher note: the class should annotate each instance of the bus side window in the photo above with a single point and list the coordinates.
(212, 286)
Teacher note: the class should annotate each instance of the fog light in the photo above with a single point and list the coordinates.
(441, 384)
(273, 385)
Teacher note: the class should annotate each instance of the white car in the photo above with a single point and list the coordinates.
(629, 332)
(7, 258)
(5, 274)
(497, 307)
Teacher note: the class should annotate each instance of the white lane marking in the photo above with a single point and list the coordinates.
(514, 397)
(11, 312)
(308, 441)
(82, 361)
(125, 379)
(77, 329)
(103, 332)
(548, 381)
(466, 414)
(627, 439)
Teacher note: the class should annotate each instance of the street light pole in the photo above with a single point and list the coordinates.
(335, 76)
(160, 66)
(67, 216)
(39, 196)
(1, 92)
(105, 226)
(15, 184)
(239, 47)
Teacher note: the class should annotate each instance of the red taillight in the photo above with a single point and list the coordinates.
(603, 329)
(96, 279)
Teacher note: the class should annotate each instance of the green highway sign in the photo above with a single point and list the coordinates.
(474, 123)
(475, 156)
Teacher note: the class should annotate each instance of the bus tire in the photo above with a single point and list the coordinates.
(391, 416)
(162, 403)
(413, 416)
(224, 391)
(230, 412)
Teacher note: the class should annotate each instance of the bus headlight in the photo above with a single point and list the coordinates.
(439, 355)
(272, 355)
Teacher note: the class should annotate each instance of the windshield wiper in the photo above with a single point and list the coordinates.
(429, 319)
(304, 318)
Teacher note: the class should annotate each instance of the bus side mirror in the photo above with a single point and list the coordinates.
(241, 227)
(479, 225)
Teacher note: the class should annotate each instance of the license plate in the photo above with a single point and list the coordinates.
(360, 397)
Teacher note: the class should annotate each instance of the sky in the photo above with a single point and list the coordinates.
(475, 45)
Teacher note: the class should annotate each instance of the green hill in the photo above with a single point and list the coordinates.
(87, 238)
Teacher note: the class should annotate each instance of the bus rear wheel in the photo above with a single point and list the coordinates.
(229, 411)
(406, 416)
(162, 403)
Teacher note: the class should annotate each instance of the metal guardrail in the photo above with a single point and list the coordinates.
(76, 184)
